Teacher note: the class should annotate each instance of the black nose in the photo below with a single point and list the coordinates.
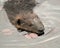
(40, 32)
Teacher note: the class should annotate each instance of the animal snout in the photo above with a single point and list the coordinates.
(40, 32)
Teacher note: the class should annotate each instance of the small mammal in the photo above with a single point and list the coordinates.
(21, 15)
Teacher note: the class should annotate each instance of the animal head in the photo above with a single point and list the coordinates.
(21, 15)
(29, 22)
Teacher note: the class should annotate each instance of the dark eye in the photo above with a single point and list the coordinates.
(19, 22)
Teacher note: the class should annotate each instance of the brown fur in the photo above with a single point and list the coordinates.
(20, 14)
